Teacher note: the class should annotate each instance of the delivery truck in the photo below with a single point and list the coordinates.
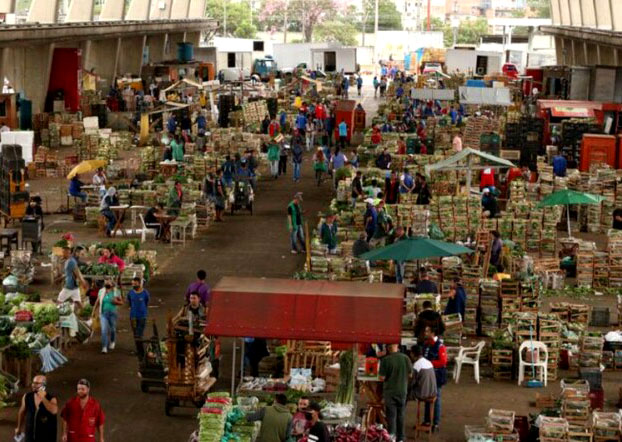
(473, 62)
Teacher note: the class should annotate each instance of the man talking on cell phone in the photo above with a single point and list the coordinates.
(36, 419)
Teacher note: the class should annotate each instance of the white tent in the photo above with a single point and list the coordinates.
(464, 161)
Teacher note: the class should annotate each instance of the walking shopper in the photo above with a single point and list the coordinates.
(319, 165)
(294, 217)
(283, 153)
(108, 201)
(370, 219)
(273, 158)
(435, 352)
(496, 251)
(297, 152)
(200, 286)
(395, 373)
(106, 306)
(359, 84)
(36, 418)
(376, 84)
(357, 187)
(82, 416)
(138, 300)
(71, 289)
(276, 421)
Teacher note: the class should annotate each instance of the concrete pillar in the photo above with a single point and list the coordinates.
(555, 13)
(564, 6)
(179, 9)
(80, 11)
(575, 12)
(138, 10)
(160, 10)
(37, 63)
(193, 37)
(560, 52)
(131, 55)
(616, 15)
(156, 47)
(43, 11)
(171, 45)
(603, 14)
(607, 55)
(7, 6)
(588, 13)
(197, 9)
(101, 56)
(112, 10)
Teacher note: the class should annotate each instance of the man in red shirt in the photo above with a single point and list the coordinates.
(435, 352)
(82, 416)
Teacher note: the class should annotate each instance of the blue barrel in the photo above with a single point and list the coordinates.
(185, 52)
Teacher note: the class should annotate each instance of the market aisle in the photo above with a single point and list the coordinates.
(243, 245)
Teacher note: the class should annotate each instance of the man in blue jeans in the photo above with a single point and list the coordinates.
(138, 299)
(294, 218)
(434, 351)
(75, 188)
(297, 152)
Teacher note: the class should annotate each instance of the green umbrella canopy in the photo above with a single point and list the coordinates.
(415, 248)
(567, 197)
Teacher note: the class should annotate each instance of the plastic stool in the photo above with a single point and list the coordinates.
(419, 426)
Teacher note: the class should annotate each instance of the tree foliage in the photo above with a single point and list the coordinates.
(389, 18)
(469, 31)
(540, 8)
(336, 31)
(302, 15)
(238, 17)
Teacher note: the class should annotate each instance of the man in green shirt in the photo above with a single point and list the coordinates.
(295, 223)
(395, 373)
(276, 421)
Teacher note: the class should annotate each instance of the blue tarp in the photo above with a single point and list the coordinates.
(475, 83)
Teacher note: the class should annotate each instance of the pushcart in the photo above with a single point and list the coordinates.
(151, 362)
(242, 196)
(189, 365)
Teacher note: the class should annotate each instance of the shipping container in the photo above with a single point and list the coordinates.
(472, 61)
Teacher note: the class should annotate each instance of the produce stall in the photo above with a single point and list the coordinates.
(344, 313)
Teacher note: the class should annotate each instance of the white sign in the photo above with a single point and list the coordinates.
(485, 95)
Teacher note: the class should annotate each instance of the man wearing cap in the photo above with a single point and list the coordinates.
(73, 276)
(370, 219)
(82, 416)
(294, 217)
(328, 233)
(489, 203)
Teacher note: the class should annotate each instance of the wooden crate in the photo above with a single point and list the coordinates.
(545, 401)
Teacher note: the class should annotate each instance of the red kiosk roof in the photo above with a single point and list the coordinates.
(347, 312)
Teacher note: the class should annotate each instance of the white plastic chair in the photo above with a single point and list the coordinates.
(542, 362)
(145, 228)
(469, 356)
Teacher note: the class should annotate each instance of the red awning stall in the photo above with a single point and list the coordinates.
(340, 312)
(352, 312)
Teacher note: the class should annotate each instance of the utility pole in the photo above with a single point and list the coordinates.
(224, 3)
(429, 7)
(285, 22)
(304, 35)
(376, 31)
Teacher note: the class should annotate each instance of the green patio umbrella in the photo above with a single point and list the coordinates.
(415, 248)
(568, 197)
